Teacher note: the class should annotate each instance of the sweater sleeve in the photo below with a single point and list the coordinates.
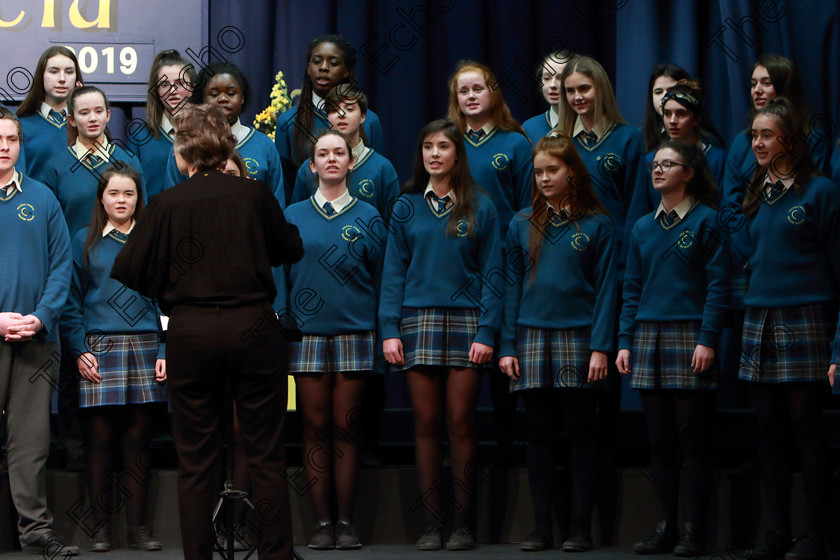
(389, 192)
(523, 174)
(173, 176)
(490, 261)
(512, 297)
(54, 296)
(373, 129)
(718, 287)
(635, 158)
(643, 195)
(274, 177)
(72, 317)
(632, 293)
(394, 268)
(605, 276)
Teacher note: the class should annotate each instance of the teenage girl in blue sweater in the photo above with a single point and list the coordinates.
(121, 363)
(170, 83)
(676, 289)
(336, 354)
(790, 335)
(549, 77)
(556, 335)
(438, 319)
(43, 112)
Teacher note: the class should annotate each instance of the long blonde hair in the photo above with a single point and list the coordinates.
(605, 104)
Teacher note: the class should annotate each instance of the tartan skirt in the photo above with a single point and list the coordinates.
(437, 336)
(341, 353)
(557, 358)
(127, 370)
(787, 344)
(661, 357)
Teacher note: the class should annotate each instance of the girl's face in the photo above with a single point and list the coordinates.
(660, 88)
(347, 119)
(762, 89)
(331, 160)
(767, 142)
(59, 79)
(674, 179)
(172, 89)
(90, 115)
(231, 168)
(326, 68)
(439, 155)
(473, 95)
(552, 81)
(552, 176)
(224, 91)
(120, 199)
(580, 93)
(680, 123)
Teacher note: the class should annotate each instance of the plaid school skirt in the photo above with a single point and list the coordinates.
(556, 358)
(436, 336)
(341, 353)
(127, 369)
(787, 344)
(661, 357)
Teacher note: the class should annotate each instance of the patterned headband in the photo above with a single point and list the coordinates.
(688, 101)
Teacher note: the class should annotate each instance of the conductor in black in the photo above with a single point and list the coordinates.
(204, 250)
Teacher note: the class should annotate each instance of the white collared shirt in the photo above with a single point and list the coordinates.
(14, 184)
(45, 109)
(487, 128)
(338, 204)
(109, 227)
(553, 118)
(166, 125)
(681, 209)
(103, 150)
(359, 151)
(318, 101)
(431, 189)
(239, 130)
(599, 129)
(786, 182)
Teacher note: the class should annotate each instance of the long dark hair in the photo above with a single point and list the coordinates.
(702, 186)
(787, 84)
(305, 115)
(795, 142)
(580, 198)
(460, 178)
(100, 219)
(154, 104)
(32, 102)
(652, 129)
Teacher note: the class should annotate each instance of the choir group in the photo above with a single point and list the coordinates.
(555, 256)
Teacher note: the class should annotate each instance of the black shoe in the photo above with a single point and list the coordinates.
(663, 539)
(578, 543)
(51, 546)
(322, 537)
(540, 539)
(807, 547)
(140, 538)
(690, 544)
(100, 542)
(460, 539)
(345, 536)
(775, 545)
(432, 538)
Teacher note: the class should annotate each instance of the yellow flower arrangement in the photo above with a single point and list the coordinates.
(266, 121)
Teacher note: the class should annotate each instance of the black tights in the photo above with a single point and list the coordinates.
(798, 407)
(679, 426)
(578, 408)
(134, 424)
(330, 409)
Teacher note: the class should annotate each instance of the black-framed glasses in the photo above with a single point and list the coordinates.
(665, 165)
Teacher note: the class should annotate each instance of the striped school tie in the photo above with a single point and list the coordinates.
(57, 116)
(476, 136)
(669, 219)
(589, 138)
(773, 190)
(328, 209)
